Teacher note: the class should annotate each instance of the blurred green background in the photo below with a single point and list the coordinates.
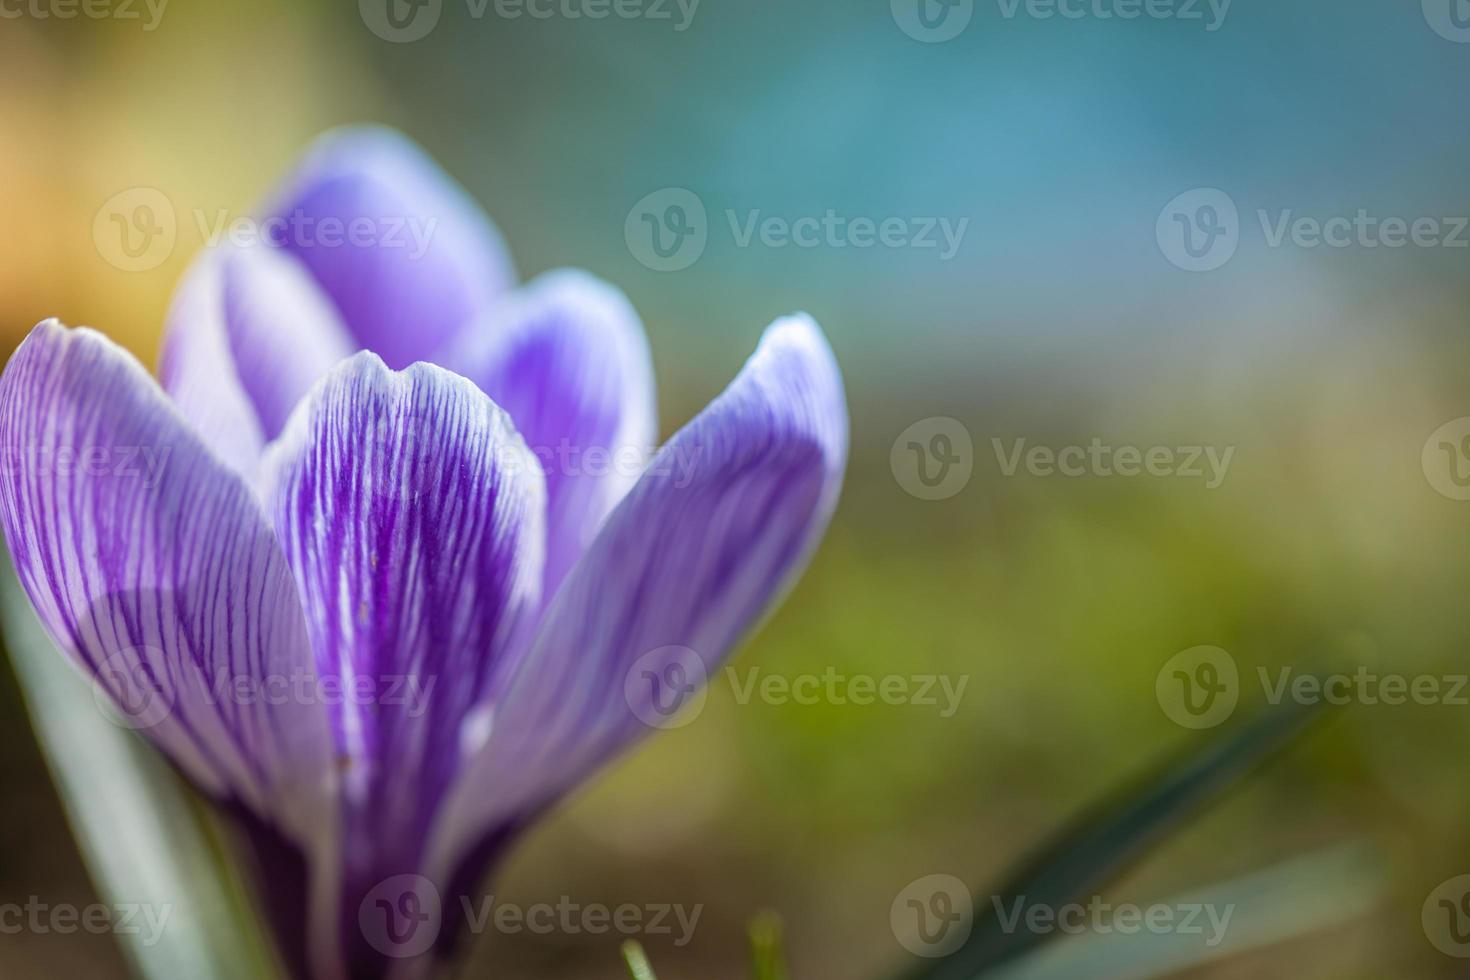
(1060, 319)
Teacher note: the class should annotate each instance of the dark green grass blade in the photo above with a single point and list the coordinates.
(1108, 839)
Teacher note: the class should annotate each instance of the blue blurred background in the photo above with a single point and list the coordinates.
(1064, 315)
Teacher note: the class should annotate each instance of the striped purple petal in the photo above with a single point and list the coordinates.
(407, 256)
(412, 515)
(704, 543)
(566, 356)
(152, 566)
(249, 333)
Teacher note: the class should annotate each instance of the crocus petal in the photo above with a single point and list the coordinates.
(407, 256)
(248, 334)
(412, 514)
(566, 356)
(723, 518)
(152, 566)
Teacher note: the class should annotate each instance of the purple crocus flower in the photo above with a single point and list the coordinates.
(402, 578)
